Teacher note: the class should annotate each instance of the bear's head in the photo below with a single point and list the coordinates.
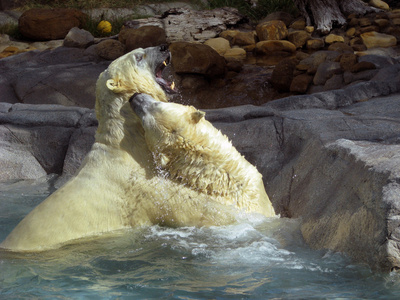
(166, 124)
(139, 71)
(188, 149)
(136, 72)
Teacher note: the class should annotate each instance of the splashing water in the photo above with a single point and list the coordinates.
(262, 259)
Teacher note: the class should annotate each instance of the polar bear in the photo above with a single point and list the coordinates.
(119, 185)
(189, 150)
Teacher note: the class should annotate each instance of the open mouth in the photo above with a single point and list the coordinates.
(169, 87)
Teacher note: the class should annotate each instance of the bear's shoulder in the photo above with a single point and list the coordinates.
(204, 159)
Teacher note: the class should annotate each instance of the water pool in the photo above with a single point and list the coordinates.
(263, 259)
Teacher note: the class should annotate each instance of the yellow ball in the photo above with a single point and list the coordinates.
(104, 27)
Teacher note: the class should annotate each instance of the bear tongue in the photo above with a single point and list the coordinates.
(168, 87)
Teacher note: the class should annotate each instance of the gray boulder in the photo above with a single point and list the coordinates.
(60, 76)
(335, 170)
(339, 173)
(35, 139)
(327, 159)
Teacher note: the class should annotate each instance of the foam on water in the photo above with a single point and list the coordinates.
(260, 259)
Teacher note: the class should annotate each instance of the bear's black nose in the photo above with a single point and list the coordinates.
(163, 48)
(133, 96)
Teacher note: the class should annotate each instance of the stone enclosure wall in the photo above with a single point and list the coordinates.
(329, 157)
(336, 170)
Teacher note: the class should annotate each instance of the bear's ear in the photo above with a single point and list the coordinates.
(112, 85)
(197, 116)
(139, 56)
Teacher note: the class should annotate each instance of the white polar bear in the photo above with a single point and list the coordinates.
(119, 184)
(189, 150)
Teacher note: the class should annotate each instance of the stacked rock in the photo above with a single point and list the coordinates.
(302, 60)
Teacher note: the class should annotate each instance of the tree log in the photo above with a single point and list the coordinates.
(323, 14)
(182, 24)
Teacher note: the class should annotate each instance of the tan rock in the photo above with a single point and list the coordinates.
(11, 50)
(351, 32)
(379, 4)
(315, 44)
(353, 22)
(220, 45)
(364, 22)
(228, 35)
(375, 39)
(301, 55)
(340, 47)
(110, 49)
(282, 47)
(298, 24)
(249, 48)
(48, 45)
(239, 38)
(271, 30)
(235, 53)
(309, 29)
(142, 37)
(394, 15)
(333, 38)
(298, 38)
(369, 28)
(244, 38)
(396, 21)
(358, 47)
(302, 67)
(356, 40)
(194, 58)
(382, 22)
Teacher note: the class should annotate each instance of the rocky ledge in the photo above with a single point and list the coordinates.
(331, 159)
(233, 61)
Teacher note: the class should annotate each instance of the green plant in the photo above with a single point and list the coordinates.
(11, 30)
(89, 4)
(263, 8)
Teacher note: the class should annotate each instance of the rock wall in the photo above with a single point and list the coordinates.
(330, 159)
(336, 170)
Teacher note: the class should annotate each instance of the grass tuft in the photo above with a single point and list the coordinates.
(11, 30)
(263, 8)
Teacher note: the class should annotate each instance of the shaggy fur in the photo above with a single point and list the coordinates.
(191, 151)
